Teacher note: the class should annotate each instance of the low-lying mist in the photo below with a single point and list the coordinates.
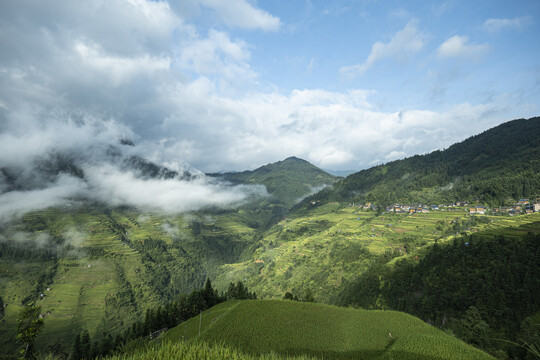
(88, 159)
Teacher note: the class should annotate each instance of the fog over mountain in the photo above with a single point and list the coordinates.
(196, 84)
(88, 159)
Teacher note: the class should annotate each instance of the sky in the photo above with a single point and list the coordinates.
(233, 85)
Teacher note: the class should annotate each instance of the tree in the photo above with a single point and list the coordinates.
(474, 329)
(209, 294)
(76, 353)
(29, 325)
(231, 292)
(288, 296)
(86, 344)
(308, 296)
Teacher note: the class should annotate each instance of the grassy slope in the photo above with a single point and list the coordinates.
(293, 328)
(197, 351)
(335, 243)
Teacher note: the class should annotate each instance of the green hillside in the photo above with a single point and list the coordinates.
(101, 269)
(198, 351)
(288, 181)
(500, 163)
(341, 255)
(322, 331)
(334, 243)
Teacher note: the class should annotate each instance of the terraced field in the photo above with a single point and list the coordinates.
(336, 243)
(95, 269)
(296, 329)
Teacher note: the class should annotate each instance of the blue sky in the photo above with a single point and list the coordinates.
(318, 38)
(233, 85)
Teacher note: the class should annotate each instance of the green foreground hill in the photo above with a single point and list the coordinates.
(256, 327)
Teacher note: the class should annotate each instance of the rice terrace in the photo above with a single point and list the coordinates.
(252, 179)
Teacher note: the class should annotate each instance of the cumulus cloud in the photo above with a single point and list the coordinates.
(496, 25)
(217, 55)
(459, 47)
(405, 42)
(75, 78)
(74, 237)
(172, 231)
(68, 244)
(119, 69)
(239, 13)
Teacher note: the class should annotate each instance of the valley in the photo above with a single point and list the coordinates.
(310, 236)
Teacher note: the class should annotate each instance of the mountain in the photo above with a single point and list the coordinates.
(498, 164)
(288, 181)
(101, 268)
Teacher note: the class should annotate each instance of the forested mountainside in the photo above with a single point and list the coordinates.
(288, 181)
(500, 163)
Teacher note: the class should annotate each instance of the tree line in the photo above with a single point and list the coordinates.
(155, 319)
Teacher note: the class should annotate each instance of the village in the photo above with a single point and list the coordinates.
(523, 206)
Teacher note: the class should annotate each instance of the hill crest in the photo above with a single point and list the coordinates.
(298, 328)
(500, 163)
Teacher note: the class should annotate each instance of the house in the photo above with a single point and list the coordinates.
(523, 201)
(477, 210)
(536, 207)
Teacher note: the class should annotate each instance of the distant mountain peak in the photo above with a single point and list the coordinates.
(287, 180)
(294, 158)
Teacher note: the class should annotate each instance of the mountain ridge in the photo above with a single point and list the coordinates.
(499, 163)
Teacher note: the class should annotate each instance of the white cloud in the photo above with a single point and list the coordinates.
(75, 77)
(405, 42)
(116, 187)
(217, 55)
(239, 13)
(496, 25)
(17, 203)
(395, 155)
(119, 69)
(459, 47)
(330, 129)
